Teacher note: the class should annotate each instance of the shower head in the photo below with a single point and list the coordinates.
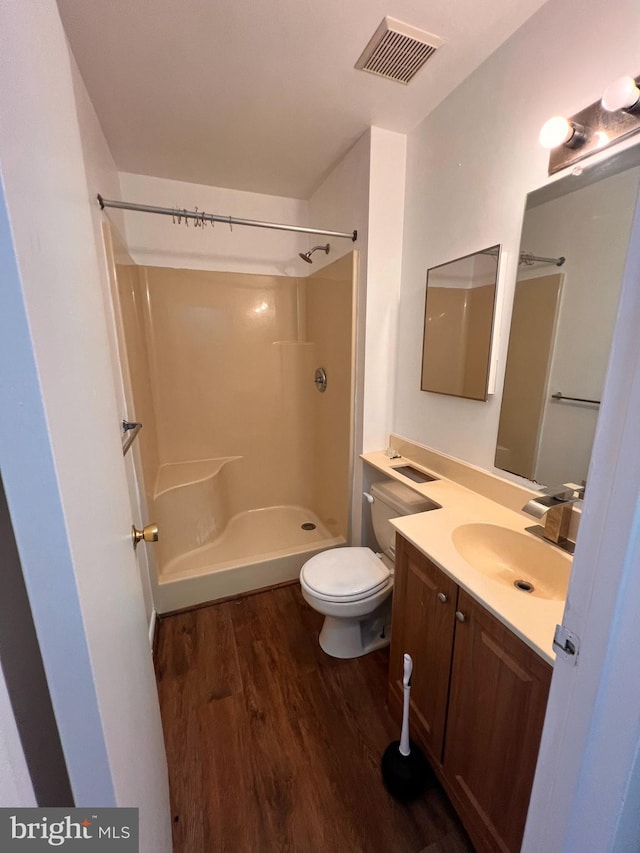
(306, 256)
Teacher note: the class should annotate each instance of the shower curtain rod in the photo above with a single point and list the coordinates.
(212, 217)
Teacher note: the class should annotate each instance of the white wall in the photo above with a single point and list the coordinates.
(102, 177)
(60, 449)
(155, 241)
(39, 220)
(384, 269)
(470, 165)
(341, 203)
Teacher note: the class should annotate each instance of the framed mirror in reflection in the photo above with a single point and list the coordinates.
(563, 319)
(458, 325)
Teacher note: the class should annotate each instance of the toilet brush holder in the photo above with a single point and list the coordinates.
(405, 771)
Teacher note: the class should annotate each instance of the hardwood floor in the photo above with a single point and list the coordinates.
(274, 746)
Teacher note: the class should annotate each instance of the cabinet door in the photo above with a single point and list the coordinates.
(498, 696)
(424, 601)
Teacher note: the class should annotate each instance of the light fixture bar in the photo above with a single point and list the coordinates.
(601, 129)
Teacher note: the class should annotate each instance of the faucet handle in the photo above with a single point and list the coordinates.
(578, 491)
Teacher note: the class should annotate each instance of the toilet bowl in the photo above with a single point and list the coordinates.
(352, 587)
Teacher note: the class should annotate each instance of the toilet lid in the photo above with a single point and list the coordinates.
(345, 574)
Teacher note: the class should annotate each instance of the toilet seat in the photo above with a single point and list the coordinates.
(345, 574)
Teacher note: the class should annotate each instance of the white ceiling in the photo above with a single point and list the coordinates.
(263, 96)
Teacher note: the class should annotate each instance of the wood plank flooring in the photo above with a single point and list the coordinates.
(274, 746)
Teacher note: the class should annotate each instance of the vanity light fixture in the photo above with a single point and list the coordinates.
(595, 127)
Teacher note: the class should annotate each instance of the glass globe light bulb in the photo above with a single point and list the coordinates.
(555, 131)
(622, 94)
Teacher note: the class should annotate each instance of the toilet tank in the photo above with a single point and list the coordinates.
(392, 499)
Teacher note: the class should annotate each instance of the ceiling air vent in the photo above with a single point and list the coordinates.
(398, 51)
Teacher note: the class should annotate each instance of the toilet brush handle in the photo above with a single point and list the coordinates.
(405, 747)
(408, 669)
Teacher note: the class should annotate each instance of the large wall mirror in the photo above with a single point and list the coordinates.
(458, 325)
(563, 319)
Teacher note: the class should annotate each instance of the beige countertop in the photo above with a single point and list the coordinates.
(531, 618)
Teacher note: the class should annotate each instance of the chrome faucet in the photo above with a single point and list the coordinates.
(554, 505)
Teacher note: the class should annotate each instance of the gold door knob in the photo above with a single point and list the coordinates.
(149, 533)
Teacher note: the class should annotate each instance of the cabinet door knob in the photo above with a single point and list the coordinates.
(443, 597)
(460, 616)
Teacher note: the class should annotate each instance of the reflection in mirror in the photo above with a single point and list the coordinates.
(458, 325)
(563, 319)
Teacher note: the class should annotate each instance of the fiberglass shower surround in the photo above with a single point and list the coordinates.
(254, 473)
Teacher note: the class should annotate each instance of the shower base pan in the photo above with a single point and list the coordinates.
(259, 548)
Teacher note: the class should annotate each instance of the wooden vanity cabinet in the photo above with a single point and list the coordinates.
(478, 699)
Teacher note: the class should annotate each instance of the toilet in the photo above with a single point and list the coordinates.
(352, 587)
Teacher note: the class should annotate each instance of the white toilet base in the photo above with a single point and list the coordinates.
(352, 638)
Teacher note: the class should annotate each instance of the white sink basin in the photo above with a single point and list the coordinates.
(514, 559)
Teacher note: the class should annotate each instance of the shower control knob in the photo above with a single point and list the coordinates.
(320, 379)
(149, 533)
(443, 597)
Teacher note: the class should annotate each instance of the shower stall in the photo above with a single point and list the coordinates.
(246, 461)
